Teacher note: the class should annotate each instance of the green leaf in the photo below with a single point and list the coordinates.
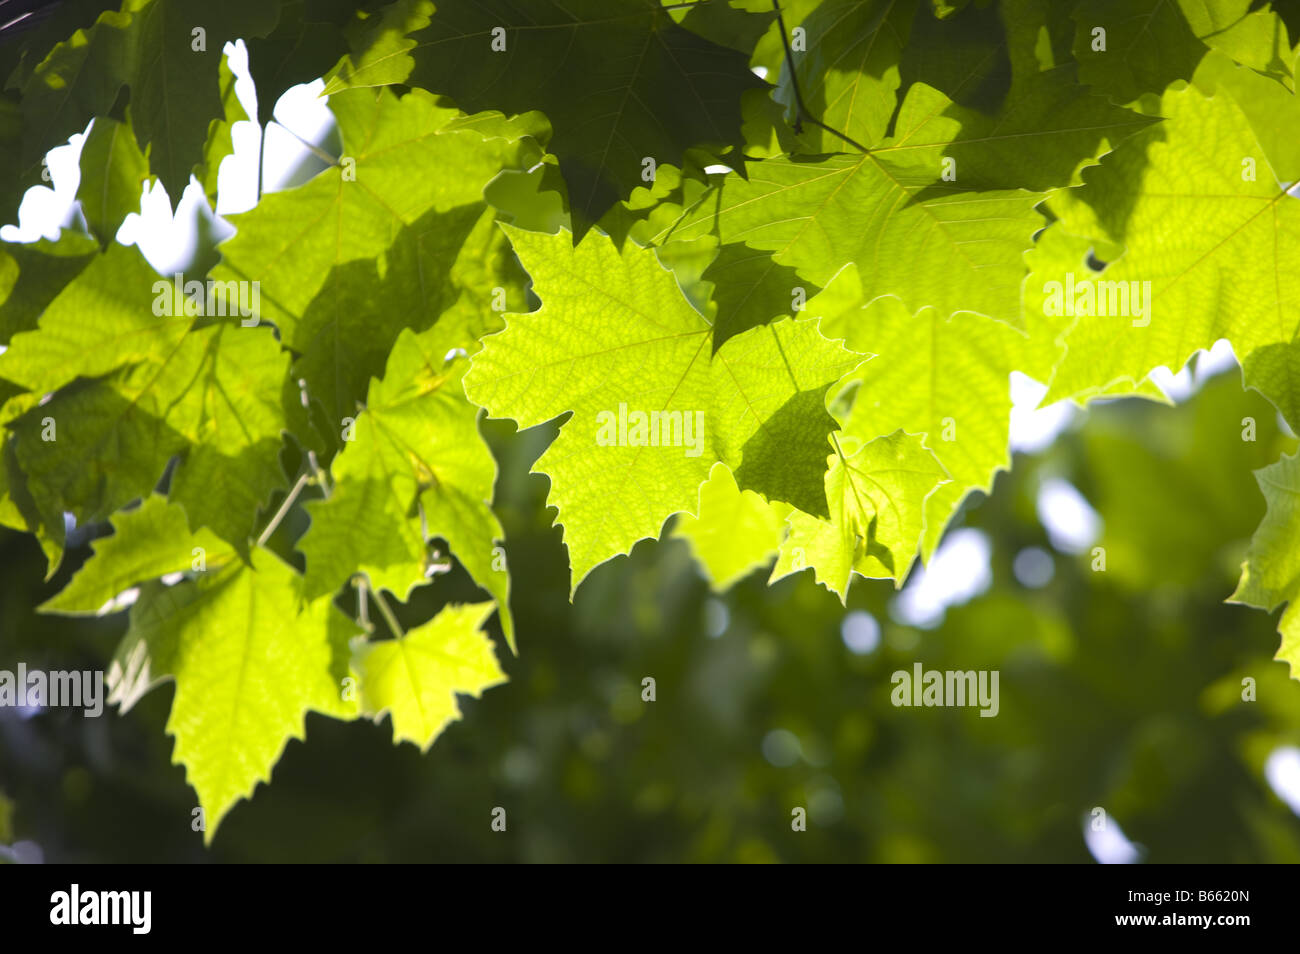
(944, 377)
(32, 276)
(220, 142)
(618, 79)
(964, 55)
(750, 288)
(835, 322)
(769, 52)
(1274, 370)
(17, 173)
(117, 287)
(17, 509)
(416, 468)
(175, 92)
(394, 144)
(91, 449)
(406, 248)
(738, 23)
(416, 677)
(736, 531)
(928, 242)
(1039, 36)
(306, 42)
(1148, 44)
(113, 171)
(1258, 40)
(1272, 110)
(1055, 254)
(231, 415)
(849, 73)
(876, 492)
(1047, 129)
(381, 45)
(78, 80)
(1220, 251)
(172, 71)
(629, 343)
(156, 382)
(25, 48)
(346, 333)
(946, 8)
(1270, 574)
(532, 200)
(148, 542)
(249, 660)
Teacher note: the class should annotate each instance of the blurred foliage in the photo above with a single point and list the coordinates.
(1119, 689)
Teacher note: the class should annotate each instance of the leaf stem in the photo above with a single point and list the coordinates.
(363, 607)
(843, 460)
(311, 147)
(261, 161)
(321, 479)
(387, 613)
(284, 509)
(803, 113)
